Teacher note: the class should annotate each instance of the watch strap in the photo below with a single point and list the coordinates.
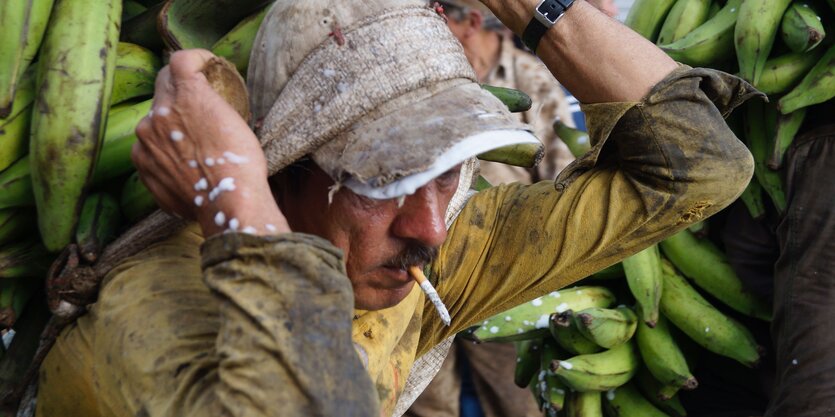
(545, 16)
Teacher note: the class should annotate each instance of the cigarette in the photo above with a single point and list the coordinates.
(430, 292)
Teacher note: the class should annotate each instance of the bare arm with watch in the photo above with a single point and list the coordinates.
(598, 59)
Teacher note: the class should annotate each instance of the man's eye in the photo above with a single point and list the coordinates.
(449, 176)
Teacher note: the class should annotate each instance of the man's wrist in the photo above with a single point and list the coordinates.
(515, 14)
(246, 211)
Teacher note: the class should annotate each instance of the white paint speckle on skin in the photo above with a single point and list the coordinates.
(210, 162)
(562, 308)
(566, 365)
(537, 302)
(494, 330)
(192, 163)
(163, 111)
(220, 218)
(542, 323)
(249, 230)
(177, 136)
(235, 159)
(271, 228)
(201, 185)
(226, 184)
(221, 161)
(234, 224)
(610, 395)
(151, 114)
(198, 201)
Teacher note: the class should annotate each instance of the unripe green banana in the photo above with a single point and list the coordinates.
(14, 294)
(136, 201)
(584, 404)
(784, 72)
(532, 319)
(754, 35)
(114, 158)
(701, 261)
(627, 401)
(528, 354)
(665, 397)
(22, 25)
(577, 141)
(760, 126)
(131, 9)
(703, 323)
(610, 272)
(787, 127)
(684, 17)
(236, 46)
(643, 274)
(525, 155)
(515, 100)
(598, 371)
(709, 43)
(607, 327)
(98, 225)
(662, 356)
(16, 185)
(715, 7)
(816, 87)
(75, 78)
(647, 16)
(23, 259)
(802, 29)
(564, 330)
(136, 72)
(15, 223)
(14, 130)
(551, 388)
(752, 197)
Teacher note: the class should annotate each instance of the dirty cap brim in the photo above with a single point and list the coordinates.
(418, 137)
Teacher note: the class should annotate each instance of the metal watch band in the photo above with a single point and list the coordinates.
(544, 16)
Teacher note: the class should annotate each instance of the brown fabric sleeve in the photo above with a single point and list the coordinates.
(658, 165)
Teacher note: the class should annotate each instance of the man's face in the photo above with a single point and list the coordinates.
(379, 238)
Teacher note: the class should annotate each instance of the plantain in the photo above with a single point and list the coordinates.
(98, 225)
(14, 130)
(816, 87)
(186, 24)
(136, 201)
(584, 404)
(525, 155)
(26, 258)
(752, 197)
(643, 274)
(565, 332)
(119, 137)
(801, 28)
(708, 267)
(577, 141)
(551, 389)
(627, 401)
(142, 28)
(14, 223)
(664, 397)
(136, 72)
(710, 43)
(758, 123)
(610, 272)
(647, 16)
(75, 78)
(14, 294)
(663, 357)
(236, 46)
(784, 72)
(684, 17)
(598, 371)
(754, 35)
(703, 323)
(528, 354)
(515, 100)
(607, 327)
(16, 185)
(22, 25)
(532, 319)
(787, 127)
(131, 9)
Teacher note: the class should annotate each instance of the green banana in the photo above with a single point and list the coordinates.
(627, 401)
(531, 319)
(754, 35)
(75, 78)
(598, 371)
(647, 16)
(816, 87)
(784, 72)
(515, 100)
(22, 25)
(703, 323)
(643, 274)
(525, 155)
(14, 293)
(584, 404)
(16, 185)
(136, 201)
(610, 272)
(761, 120)
(577, 141)
(699, 229)
(701, 261)
(98, 225)
(114, 158)
(607, 327)
(23, 259)
(131, 9)
(551, 388)
(709, 43)
(684, 17)
(787, 127)
(236, 45)
(752, 197)
(665, 397)
(136, 72)
(715, 7)
(142, 28)
(14, 131)
(802, 29)
(564, 330)
(662, 356)
(14, 223)
(528, 354)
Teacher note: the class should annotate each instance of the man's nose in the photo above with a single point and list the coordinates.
(422, 217)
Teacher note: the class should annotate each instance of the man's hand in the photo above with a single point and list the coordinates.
(199, 158)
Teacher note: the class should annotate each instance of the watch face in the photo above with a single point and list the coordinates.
(551, 10)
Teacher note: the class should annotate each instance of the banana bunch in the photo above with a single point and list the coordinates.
(620, 342)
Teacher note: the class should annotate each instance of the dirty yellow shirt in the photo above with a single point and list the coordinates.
(263, 326)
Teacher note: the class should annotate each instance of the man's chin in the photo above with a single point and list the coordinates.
(381, 298)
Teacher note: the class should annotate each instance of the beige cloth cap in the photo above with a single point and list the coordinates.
(379, 92)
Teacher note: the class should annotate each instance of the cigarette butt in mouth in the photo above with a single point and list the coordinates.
(430, 292)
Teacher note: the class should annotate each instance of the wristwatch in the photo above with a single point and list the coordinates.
(544, 16)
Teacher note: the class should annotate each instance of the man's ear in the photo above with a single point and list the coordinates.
(475, 20)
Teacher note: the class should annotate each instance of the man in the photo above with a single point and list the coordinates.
(250, 312)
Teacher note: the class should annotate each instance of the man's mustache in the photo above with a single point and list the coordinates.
(415, 254)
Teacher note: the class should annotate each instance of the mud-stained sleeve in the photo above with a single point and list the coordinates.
(658, 165)
(284, 340)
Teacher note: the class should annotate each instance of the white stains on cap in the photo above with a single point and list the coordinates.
(235, 159)
(249, 230)
(192, 163)
(198, 201)
(210, 162)
(220, 218)
(562, 308)
(234, 224)
(537, 302)
(494, 330)
(566, 365)
(226, 184)
(542, 323)
(201, 185)
(177, 136)
(163, 111)
(342, 87)
(328, 72)
(271, 228)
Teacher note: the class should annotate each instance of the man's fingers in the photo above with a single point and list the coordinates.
(187, 63)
